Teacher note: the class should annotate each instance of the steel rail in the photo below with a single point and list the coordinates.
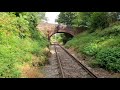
(75, 59)
(59, 62)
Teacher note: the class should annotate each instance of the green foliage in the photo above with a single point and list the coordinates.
(91, 20)
(66, 18)
(112, 17)
(61, 37)
(99, 20)
(103, 45)
(113, 30)
(56, 37)
(82, 19)
(104, 40)
(18, 44)
(109, 58)
(65, 37)
(90, 49)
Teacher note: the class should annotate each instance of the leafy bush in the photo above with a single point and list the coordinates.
(103, 45)
(99, 20)
(90, 49)
(17, 43)
(114, 30)
(109, 58)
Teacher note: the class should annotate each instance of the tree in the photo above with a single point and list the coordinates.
(66, 18)
(99, 20)
(82, 19)
(112, 17)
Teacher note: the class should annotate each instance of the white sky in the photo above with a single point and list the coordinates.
(51, 16)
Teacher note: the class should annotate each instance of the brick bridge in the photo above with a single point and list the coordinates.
(51, 29)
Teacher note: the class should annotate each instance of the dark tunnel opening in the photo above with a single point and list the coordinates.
(62, 38)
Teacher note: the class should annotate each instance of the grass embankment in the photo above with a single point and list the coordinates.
(102, 45)
(20, 44)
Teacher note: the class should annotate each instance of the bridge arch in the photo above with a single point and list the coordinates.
(64, 37)
(61, 31)
(51, 29)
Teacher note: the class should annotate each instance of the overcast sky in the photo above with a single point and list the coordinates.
(51, 16)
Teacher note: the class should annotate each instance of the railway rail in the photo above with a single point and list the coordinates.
(70, 67)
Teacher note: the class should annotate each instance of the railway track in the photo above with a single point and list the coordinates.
(69, 66)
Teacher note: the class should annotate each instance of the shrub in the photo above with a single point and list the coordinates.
(17, 43)
(90, 49)
(98, 20)
(115, 30)
(109, 58)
